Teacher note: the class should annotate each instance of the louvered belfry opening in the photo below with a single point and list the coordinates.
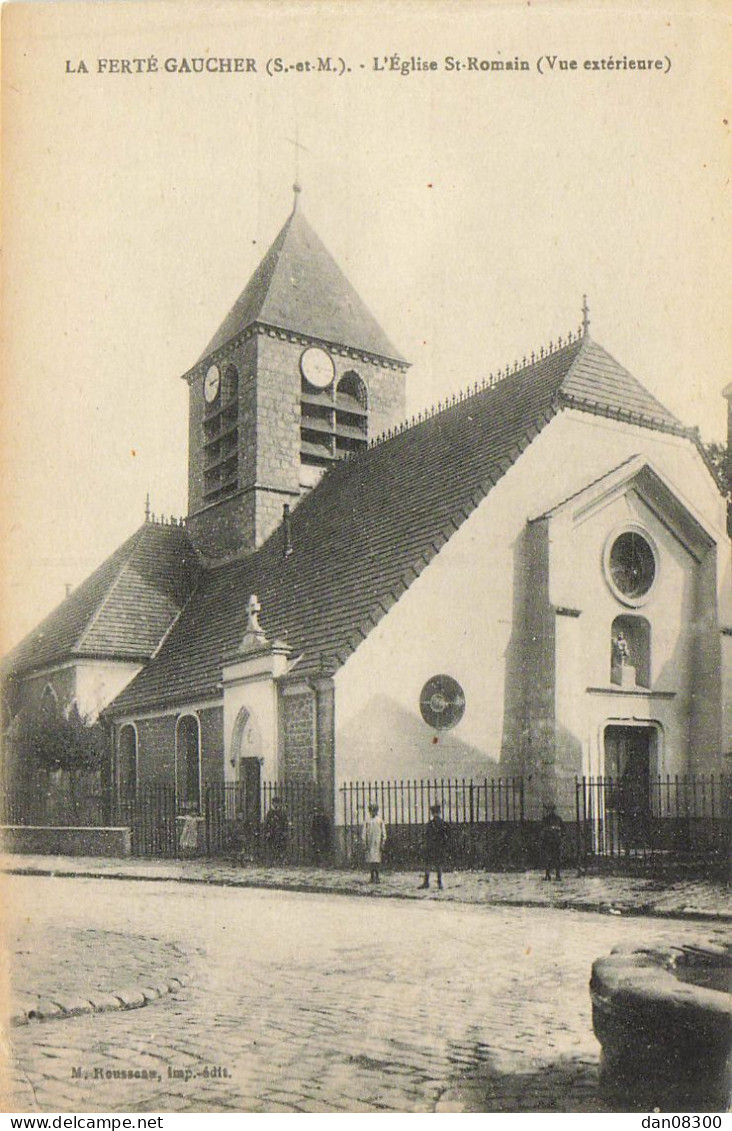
(221, 440)
(333, 421)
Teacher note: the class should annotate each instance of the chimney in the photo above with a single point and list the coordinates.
(287, 527)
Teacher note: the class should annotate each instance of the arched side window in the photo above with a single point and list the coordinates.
(188, 764)
(127, 763)
(630, 650)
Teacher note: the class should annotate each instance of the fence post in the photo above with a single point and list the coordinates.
(578, 835)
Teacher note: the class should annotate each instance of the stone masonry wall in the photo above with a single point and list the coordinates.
(224, 530)
(387, 394)
(298, 720)
(277, 431)
(156, 750)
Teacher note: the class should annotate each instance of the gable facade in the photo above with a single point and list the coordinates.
(520, 610)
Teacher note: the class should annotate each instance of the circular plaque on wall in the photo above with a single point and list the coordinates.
(442, 702)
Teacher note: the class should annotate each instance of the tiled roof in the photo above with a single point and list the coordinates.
(123, 610)
(596, 379)
(371, 525)
(299, 287)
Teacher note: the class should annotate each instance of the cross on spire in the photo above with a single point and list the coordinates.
(585, 317)
(296, 188)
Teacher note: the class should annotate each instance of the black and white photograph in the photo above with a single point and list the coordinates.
(365, 586)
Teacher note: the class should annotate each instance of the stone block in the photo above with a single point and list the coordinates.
(45, 1010)
(131, 998)
(76, 1007)
(104, 1003)
(664, 1020)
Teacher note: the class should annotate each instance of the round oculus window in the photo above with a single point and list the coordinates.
(631, 565)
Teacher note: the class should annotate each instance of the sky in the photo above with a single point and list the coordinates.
(471, 210)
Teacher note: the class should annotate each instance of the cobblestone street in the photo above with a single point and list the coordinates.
(319, 1003)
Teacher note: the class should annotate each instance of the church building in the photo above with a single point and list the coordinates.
(531, 579)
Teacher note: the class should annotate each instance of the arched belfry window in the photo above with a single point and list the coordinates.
(352, 393)
(351, 414)
(630, 651)
(188, 764)
(127, 763)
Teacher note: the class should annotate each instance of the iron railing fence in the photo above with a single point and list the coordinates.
(687, 815)
(54, 798)
(672, 816)
(283, 822)
(151, 816)
(485, 818)
(463, 801)
(277, 821)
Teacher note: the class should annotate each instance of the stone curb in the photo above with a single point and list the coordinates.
(645, 910)
(130, 997)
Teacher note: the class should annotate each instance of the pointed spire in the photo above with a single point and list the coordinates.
(328, 308)
(297, 189)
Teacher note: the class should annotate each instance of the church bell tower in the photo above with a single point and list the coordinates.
(298, 376)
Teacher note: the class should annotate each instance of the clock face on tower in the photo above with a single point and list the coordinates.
(316, 366)
(211, 384)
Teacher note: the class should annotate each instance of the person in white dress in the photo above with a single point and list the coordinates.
(374, 836)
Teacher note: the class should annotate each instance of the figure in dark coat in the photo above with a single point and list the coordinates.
(437, 841)
(275, 831)
(550, 840)
(320, 836)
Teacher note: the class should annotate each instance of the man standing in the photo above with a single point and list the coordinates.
(551, 836)
(275, 833)
(374, 836)
(437, 838)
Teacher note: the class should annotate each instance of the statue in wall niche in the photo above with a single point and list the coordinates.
(622, 651)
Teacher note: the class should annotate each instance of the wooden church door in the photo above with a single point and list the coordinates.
(628, 770)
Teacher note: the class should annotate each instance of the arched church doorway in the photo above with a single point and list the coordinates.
(246, 758)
